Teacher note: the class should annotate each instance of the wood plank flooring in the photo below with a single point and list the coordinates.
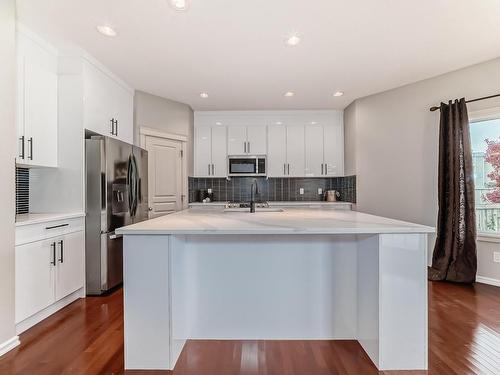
(87, 338)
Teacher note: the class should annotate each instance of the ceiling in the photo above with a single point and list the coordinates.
(234, 50)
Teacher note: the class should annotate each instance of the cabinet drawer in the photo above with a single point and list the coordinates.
(40, 231)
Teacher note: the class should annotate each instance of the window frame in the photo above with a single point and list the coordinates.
(486, 114)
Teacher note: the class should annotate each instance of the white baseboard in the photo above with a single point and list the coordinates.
(487, 280)
(9, 345)
(48, 311)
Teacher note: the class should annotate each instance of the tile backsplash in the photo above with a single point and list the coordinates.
(273, 189)
(22, 190)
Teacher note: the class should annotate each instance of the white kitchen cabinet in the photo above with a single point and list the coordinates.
(237, 140)
(257, 140)
(34, 275)
(49, 266)
(295, 164)
(276, 155)
(285, 157)
(70, 261)
(333, 158)
(245, 140)
(37, 86)
(210, 151)
(108, 105)
(314, 151)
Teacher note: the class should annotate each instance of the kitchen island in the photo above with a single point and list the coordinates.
(308, 274)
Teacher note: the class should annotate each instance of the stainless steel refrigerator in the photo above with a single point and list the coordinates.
(116, 195)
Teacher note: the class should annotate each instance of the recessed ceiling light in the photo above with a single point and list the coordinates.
(338, 93)
(289, 94)
(292, 40)
(180, 5)
(279, 123)
(218, 123)
(204, 95)
(106, 30)
(313, 122)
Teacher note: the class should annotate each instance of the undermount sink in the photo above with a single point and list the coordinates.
(257, 209)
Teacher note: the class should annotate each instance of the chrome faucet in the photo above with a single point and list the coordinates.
(254, 189)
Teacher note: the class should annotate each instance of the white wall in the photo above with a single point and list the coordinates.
(393, 145)
(7, 154)
(166, 115)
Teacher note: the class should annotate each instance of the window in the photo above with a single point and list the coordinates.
(485, 142)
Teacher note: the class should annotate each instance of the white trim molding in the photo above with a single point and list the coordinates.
(9, 345)
(487, 280)
(143, 130)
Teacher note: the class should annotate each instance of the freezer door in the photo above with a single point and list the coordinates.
(141, 156)
(117, 155)
(111, 261)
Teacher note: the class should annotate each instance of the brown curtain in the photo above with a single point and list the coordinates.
(454, 257)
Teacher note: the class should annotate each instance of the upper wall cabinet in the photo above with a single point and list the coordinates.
(297, 143)
(37, 102)
(210, 151)
(108, 104)
(245, 140)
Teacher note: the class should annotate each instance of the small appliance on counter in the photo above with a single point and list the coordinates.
(332, 195)
(205, 195)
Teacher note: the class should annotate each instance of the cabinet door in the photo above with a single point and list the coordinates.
(334, 150)
(34, 274)
(237, 138)
(40, 115)
(98, 100)
(314, 151)
(70, 260)
(203, 151)
(123, 112)
(295, 151)
(257, 140)
(219, 151)
(276, 153)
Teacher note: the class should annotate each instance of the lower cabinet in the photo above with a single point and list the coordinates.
(47, 271)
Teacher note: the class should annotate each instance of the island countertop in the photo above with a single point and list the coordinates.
(289, 221)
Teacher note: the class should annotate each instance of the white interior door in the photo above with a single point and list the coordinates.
(164, 176)
(257, 140)
(70, 261)
(276, 155)
(314, 151)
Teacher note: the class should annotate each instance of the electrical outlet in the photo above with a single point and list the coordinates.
(496, 257)
(320, 191)
(301, 191)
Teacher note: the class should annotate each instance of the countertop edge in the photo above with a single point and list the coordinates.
(48, 218)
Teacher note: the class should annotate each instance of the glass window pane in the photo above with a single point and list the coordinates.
(485, 141)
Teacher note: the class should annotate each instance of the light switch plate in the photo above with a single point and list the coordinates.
(320, 191)
(496, 257)
(301, 191)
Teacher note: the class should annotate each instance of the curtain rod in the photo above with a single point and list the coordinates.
(432, 109)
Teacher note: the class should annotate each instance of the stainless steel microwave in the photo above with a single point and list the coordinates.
(247, 166)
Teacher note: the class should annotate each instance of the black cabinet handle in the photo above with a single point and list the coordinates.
(57, 226)
(53, 245)
(116, 127)
(61, 259)
(30, 141)
(22, 147)
(112, 126)
(288, 169)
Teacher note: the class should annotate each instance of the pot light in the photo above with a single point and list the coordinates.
(313, 122)
(106, 30)
(204, 95)
(218, 123)
(292, 40)
(180, 5)
(289, 94)
(338, 93)
(279, 123)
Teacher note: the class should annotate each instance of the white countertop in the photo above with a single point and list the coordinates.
(290, 221)
(27, 219)
(279, 203)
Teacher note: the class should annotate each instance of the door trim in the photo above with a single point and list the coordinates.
(145, 132)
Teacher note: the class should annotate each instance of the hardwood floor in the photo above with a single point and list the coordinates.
(87, 338)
